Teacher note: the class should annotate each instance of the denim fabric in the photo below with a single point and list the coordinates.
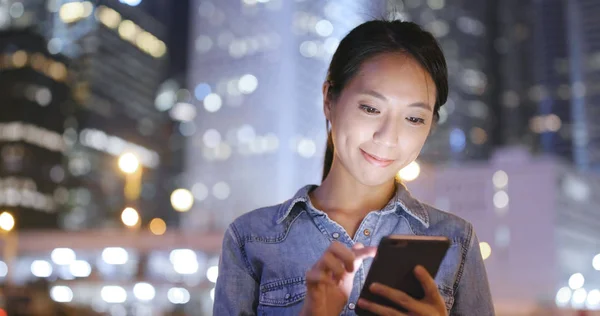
(267, 252)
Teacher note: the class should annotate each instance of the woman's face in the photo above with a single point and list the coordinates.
(381, 119)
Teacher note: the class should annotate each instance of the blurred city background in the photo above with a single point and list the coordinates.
(132, 132)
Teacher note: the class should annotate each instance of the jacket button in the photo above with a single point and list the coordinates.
(336, 235)
(351, 306)
(367, 232)
(287, 296)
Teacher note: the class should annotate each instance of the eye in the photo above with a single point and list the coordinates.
(416, 120)
(369, 109)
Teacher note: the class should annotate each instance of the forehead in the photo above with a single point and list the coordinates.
(396, 76)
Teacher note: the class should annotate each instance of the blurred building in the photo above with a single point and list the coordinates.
(516, 74)
(256, 81)
(118, 64)
(34, 95)
(521, 73)
(465, 31)
(550, 66)
(118, 57)
(537, 223)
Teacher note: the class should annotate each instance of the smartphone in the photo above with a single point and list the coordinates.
(397, 256)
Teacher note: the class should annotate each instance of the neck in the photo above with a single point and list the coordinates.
(341, 193)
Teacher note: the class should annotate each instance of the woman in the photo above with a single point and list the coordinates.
(310, 255)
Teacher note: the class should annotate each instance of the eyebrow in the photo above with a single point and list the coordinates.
(380, 96)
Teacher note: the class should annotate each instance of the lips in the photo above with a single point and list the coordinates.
(376, 161)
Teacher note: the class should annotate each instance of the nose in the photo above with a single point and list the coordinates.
(387, 134)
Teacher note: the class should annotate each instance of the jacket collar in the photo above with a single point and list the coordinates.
(401, 202)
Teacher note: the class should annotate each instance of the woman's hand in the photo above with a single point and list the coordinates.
(329, 281)
(431, 305)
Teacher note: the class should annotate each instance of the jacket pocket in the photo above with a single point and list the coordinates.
(283, 297)
(283, 292)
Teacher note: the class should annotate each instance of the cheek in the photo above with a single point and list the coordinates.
(413, 143)
(354, 131)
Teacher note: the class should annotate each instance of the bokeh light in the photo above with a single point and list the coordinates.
(158, 226)
(7, 221)
(182, 200)
(410, 172)
(576, 281)
(130, 217)
(486, 250)
(61, 294)
(115, 255)
(129, 163)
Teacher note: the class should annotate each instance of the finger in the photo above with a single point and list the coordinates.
(357, 260)
(378, 309)
(429, 286)
(314, 277)
(402, 299)
(364, 252)
(329, 263)
(344, 254)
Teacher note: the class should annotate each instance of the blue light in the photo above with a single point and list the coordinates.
(201, 91)
(132, 3)
(457, 140)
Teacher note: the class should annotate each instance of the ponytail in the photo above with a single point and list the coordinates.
(328, 154)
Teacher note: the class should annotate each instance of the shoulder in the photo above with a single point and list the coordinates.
(425, 219)
(269, 224)
(272, 217)
(260, 218)
(439, 217)
(447, 224)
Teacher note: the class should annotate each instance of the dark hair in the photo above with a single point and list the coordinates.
(377, 37)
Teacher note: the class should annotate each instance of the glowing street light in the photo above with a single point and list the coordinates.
(9, 250)
(182, 200)
(130, 217)
(7, 221)
(129, 163)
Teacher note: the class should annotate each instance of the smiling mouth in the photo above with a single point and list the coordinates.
(377, 161)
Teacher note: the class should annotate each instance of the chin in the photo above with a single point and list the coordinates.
(374, 179)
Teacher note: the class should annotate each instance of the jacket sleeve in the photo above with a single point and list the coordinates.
(473, 295)
(237, 288)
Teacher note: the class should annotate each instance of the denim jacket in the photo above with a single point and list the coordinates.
(267, 252)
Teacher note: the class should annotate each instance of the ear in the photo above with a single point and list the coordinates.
(327, 102)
